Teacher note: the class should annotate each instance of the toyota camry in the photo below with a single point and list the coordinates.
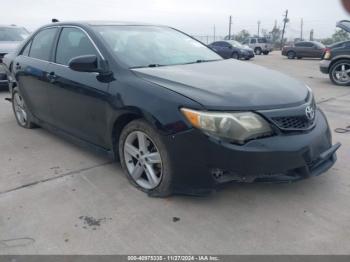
(178, 117)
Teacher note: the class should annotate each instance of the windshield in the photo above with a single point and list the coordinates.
(13, 34)
(151, 46)
(236, 44)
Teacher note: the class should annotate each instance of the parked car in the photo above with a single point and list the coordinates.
(232, 49)
(311, 49)
(336, 59)
(260, 45)
(178, 117)
(10, 37)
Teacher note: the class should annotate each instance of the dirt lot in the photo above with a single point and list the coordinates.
(81, 203)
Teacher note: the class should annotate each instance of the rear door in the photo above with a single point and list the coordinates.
(31, 70)
(226, 49)
(78, 99)
(304, 49)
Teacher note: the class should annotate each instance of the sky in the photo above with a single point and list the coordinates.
(196, 17)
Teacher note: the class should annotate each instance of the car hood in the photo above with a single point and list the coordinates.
(245, 47)
(8, 47)
(229, 85)
(344, 24)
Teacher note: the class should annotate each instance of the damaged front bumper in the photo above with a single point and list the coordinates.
(201, 162)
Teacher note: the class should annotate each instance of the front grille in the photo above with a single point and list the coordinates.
(293, 123)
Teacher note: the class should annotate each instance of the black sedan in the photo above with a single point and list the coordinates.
(178, 117)
(232, 49)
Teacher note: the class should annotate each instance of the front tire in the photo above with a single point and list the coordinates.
(340, 73)
(145, 159)
(291, 55)
(235, 55)
(22, 114)
(258, 51)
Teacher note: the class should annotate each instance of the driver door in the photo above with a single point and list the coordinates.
(78, 99)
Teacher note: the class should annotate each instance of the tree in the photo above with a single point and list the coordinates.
(242, 35)
(338, 36)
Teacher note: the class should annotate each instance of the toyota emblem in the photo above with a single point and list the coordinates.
(310, 113)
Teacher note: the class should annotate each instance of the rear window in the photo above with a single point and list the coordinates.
(13, 34)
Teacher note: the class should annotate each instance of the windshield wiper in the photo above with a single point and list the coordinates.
(144, 66)
(202, 61)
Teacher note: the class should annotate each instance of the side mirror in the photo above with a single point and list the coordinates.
(85, 63)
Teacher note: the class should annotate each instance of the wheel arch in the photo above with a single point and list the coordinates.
(118, 125)
(337, 59)
(119, 121)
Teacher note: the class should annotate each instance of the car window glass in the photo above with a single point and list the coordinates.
(42, 44)
(225, 44)
(220, 44)
(73, 42)
(262, 40)
(309, 45)
(216, 44)
(141, 46)
(304, 44)
(25, 51)
(253, 41)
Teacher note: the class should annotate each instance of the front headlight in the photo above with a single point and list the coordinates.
(236, 127)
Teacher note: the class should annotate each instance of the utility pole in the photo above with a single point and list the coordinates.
(229, 27)
(259, 28)
(214, 33)
(311, 35)
(301, 29)
(285, 21)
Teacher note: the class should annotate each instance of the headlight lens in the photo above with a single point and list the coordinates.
(236, 127)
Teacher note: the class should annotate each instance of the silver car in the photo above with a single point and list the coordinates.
(260, 45)
(10, 37)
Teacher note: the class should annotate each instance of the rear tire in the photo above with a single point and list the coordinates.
(22, 114)
(339, 73)
(145, 159)
(291, 55)
(266, 52)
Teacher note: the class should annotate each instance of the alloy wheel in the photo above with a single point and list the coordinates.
(143, 160)
(19, 108)
(341, 73)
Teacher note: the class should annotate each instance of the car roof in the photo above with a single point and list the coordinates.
(99, 23)
(339, 43)
(313, 42)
